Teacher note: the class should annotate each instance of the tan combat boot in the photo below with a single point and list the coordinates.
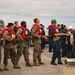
(5, 67)
(41, 63)
(1, 69)
(17, 67)
(36, 64)
(28, 64)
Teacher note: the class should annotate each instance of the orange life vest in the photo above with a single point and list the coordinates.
(38, 32)
(54, 27)
(1, 33)
(10, 33)
(24, 34)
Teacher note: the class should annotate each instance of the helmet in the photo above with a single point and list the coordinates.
(70, 27)
(53, 21)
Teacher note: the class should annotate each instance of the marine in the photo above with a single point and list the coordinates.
(1, 42)
(36, 39)
(9, 47)
(22, 43)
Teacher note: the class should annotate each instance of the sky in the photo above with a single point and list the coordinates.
(26, 10)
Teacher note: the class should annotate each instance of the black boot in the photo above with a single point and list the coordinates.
(53, 63)
(60, 62)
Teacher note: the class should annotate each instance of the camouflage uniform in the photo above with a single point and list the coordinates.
(1, 42)
(0, 58)
(37, 45)
(2, 25)
(22, 47)
(9, 50)
(0, 54)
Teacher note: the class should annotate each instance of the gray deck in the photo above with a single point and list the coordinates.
(46, 69)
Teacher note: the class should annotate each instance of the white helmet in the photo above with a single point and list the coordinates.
(70, 27)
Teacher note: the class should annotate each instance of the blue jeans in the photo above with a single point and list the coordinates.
(50, 44)
(56, 51)
(64, 49)
(71, 53)
(43, 42)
